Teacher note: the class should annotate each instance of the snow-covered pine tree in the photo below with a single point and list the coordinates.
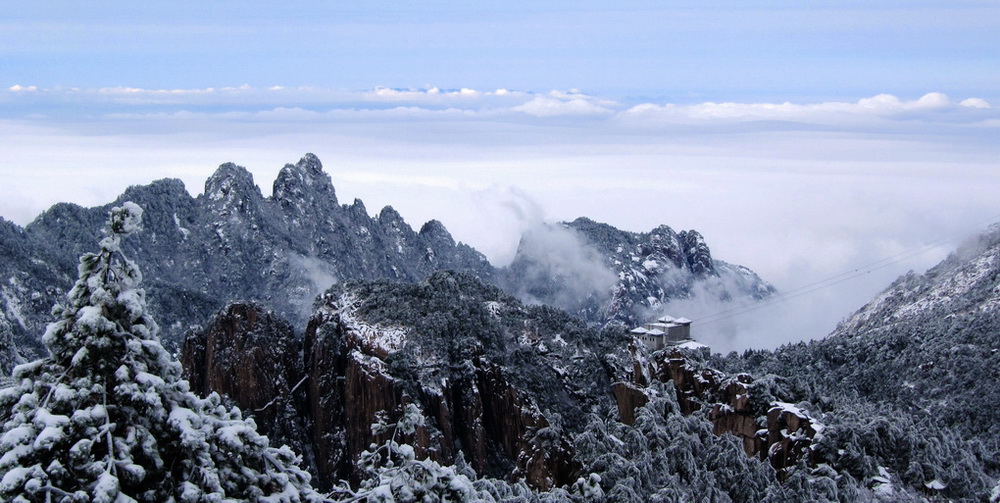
(106, 416)
(395, 474)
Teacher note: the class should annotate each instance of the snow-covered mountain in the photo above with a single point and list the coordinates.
(909, 382)
(965, 284)
(234, 244)
(602, 273)
(527, 402)
(230, 243)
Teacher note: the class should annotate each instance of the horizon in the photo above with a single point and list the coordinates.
(801, 141)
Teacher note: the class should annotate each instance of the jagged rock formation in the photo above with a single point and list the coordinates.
(620, 275)
(230, 243)
(500, 384)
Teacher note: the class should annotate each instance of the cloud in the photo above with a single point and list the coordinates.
(559, 265)
(879, 107)
(320, 104)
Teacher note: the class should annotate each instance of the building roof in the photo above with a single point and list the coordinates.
(682, 321)
(639, 330)
(663, 326)
(655, 332)
(666, 319)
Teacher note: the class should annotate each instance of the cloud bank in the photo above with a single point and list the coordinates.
(480, 103)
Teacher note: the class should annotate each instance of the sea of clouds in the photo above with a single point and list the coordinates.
(797, 191)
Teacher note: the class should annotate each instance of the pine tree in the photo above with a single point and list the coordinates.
(106, 416)
(395, 474)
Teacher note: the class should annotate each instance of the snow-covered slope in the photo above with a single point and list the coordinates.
(967, 283)
(909, 382)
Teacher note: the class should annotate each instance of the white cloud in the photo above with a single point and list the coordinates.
(882, 106)
(549, 106)
(246, 102)
(975, 103)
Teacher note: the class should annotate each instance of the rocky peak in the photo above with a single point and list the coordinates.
(357, 208)
(699, 258)
(304, 184)
(391, 220)
(232, 187)
(167, 188)
(170, 210)
(648, 271)
(435, 232)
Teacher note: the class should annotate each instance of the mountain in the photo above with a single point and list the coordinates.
(501, 384)
(231, 243)
(523, 401)
(602, 273)
(908, 384)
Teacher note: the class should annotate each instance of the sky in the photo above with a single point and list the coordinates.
(803, 140)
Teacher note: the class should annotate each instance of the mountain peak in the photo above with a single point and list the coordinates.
(230, 181)
(304, 182)
(436, 231)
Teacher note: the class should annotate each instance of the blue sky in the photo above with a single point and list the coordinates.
(804, 139)
(677, 50)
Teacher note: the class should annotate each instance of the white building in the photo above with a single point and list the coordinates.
(665, 331)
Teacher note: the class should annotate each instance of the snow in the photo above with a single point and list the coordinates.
(92, 318)
(388, 339)
(935, 485)
(17, 436)
(691, 345)
(14, 478)
(49, 437)
(883, 483)
(494, 308)
(13, 303)
(787, 407)
(232, 435)
(184, 231)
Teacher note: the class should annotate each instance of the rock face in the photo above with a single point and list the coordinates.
(499, 383)
(250, 355)
(790, 432)
(32, 278)
(622, 275)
